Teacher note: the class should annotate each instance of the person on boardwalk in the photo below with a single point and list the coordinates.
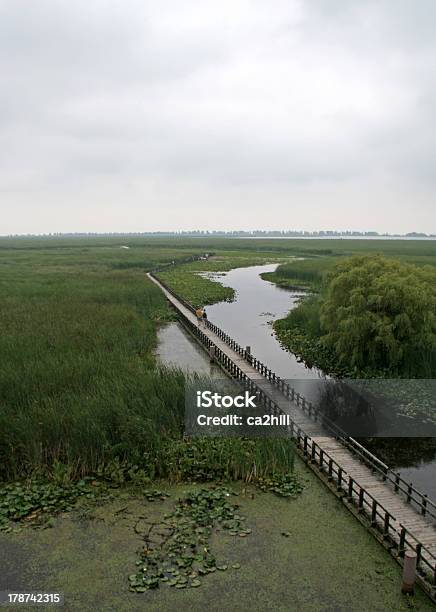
(199, 315)
(204, 317)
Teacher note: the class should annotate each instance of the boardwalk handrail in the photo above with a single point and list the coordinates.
(358, 497)
(412, 495)
(424, 504)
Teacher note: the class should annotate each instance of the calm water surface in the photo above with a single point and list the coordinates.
(176, 348)
(249, 318)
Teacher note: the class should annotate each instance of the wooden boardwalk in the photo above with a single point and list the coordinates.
(400, 525)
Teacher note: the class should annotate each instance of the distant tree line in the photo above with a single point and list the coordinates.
(240, 233)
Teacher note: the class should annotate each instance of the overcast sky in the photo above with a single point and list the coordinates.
(137, 115)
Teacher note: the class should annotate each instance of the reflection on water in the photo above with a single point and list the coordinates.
(347, 409)
(403, 452)
(375, 407)
(414, 458)
(374, 423)
(177, 348)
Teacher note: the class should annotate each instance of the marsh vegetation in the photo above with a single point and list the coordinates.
(81, 392)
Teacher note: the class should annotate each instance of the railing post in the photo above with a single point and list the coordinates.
(248, 353)
(424, 505)
(212, 353)
(418, 554)
(374, 513)
(361, 499)
(339, 485)
(402, 543)
(409, 492)
(330, 476)
(350, 489)
(386, 526)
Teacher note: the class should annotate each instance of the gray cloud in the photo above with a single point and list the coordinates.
(145, 115)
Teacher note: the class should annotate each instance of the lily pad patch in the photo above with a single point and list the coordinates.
(177, 552)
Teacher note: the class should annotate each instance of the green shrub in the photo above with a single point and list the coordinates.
(203, 459)
(380, 313)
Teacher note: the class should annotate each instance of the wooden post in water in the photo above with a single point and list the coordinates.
(409, 572)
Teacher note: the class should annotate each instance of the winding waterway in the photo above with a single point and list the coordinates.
(248, 319)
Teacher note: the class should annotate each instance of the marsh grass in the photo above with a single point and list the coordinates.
(207, 459)
(79, 386)
(302, 273)
(78, 383)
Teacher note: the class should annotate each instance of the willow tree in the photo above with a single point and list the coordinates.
(379, 313)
